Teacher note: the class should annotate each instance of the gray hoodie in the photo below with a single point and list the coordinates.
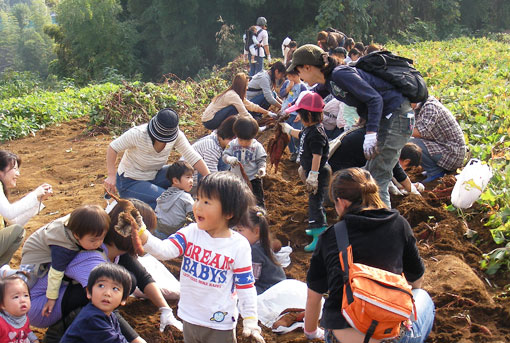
(260, 83)
(172, 207)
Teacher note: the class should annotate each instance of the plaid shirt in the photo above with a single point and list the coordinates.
(441, 133)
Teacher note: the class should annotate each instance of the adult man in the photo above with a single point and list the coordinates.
(440, 138)
(263, 50)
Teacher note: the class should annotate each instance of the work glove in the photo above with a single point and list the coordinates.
(317, 334)
(286, 128)
(419, 186)
(261, 173)
(393, 190)
(312, 182)
(251, 328)
(233, 161)
(167, 318)
(272, 114)
(414, 189)
(370, 145)
(269, 58)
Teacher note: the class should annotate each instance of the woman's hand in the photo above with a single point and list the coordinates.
(109, 184)
(44, 191)
(48, 307)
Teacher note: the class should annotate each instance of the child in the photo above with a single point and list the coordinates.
(291, 89)
(108, 287)
(216, 265)
(266, 269)
(175, 204)
(246, 150)
(313, 155)
(52, 247)
(254, 45)
(14, 306)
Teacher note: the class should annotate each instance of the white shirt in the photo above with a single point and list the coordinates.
(263, 38)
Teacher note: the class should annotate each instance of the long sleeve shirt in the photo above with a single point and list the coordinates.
(261, 84)
(230, 98)
(19, 212)
(252, 158)
(215, 273)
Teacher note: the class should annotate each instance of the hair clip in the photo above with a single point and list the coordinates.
(260, 214)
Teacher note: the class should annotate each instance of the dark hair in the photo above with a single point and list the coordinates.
(246, 128)
(360, 46)
(309, 116)
(354, 52)
(349, 43)
(256, 216)
(88, 220)
(327, 68)
(292, 44)
(19, 275)
(411, 152)
(113, 272)
(119, 234)
(7, 162)
(293, 72)
(276, 66)
(225, 130)
(239, 82)
(357, 186)
(233, 193)
(178, 169)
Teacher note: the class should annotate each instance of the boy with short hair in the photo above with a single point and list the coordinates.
(175, 204)
(246, 150)
(108, 287)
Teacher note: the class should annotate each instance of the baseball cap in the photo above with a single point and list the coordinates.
(307, 54)
(309, 101)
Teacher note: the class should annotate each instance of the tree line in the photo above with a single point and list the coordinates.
(145, 39)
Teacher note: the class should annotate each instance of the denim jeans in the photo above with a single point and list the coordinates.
(294, 142)
(261, 101)
(220, 116)
(146, 191)
(393, 134)
(428, 161)
(257, 66)
(421, 327)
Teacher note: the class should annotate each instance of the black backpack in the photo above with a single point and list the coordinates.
(398, 71)
(249, 39)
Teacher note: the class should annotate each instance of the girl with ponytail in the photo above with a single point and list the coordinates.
(380, 238)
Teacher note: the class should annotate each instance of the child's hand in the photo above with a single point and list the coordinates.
(233, 161)
(261, 173)
(48, 307)
(317, 334)
(286, 128)
(167, 318)
(312, 182)
(251, 328)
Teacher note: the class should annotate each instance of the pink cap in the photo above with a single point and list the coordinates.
(309, 101)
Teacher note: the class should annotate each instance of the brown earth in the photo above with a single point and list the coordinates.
(471, 307)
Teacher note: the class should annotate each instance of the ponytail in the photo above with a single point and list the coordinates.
(257, 217)
(328, 67)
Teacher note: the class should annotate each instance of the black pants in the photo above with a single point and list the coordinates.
(258, 191)
(316, 213)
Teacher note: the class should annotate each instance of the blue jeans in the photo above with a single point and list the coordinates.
(261, 101)
(146, 191)
(294, 142)
(257, 66)
(393, 134)
(220, 116)
(428, 161)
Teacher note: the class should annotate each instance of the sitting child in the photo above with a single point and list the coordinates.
(266, 270)
(108, 287)
(175, 204)
(248, 152)
(52, 247)
(14, 306)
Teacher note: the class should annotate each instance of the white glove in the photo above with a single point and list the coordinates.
(419, 186)
(370, 145)
(167, 318)
(317, 334)
(251, 328)
(312, 182)
(393, 190)
(261, 173)
(269, 58)
(233, 161)
(272, 114)
(414, 190)
(286, 128)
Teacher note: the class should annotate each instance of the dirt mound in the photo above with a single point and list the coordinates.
(467, 307)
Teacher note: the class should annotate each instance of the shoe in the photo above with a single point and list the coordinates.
(315, 232)
(6, 271)
(293, 157)
(433, 177)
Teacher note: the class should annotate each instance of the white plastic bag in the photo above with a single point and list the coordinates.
(470, 183)
(167, 283)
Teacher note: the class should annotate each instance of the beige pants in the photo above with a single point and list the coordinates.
(200, 334)
(10, 240)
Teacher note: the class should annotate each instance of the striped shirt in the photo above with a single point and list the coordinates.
(210, 149)
(140, 161)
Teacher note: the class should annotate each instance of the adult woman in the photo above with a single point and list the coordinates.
(230, 102)
(14, 216)
(380, 238)
(117, 248)
(262, 85)
(142, 169)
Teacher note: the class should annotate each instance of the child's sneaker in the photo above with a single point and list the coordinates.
(6, 271)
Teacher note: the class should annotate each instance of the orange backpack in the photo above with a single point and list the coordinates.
(375, 302)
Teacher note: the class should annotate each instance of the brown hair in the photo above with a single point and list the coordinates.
(371, 48)
(357, 186)
(239, 83)
(7, 162)
(88, 220)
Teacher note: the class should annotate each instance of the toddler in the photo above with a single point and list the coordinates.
(246, 150)
(216, 273)
(108, 287)
(313, 155)
(52, 247)
(175, 204)
(254, 45)
(14, 306)
(266, 270)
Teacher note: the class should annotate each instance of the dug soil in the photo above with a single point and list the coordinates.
(470, 306)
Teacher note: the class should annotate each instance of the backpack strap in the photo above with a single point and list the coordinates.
(342, 241)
